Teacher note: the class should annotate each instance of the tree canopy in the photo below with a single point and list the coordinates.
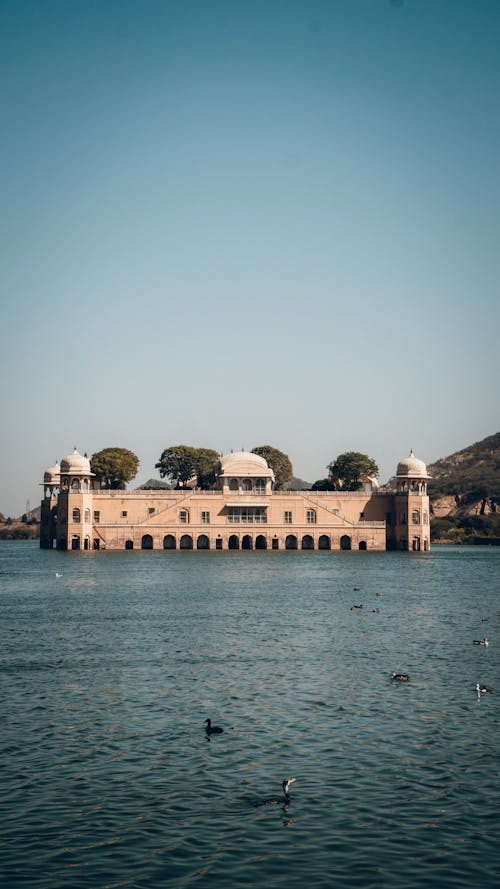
(278, 461)
(182, 464)
(322, 484)
(348, 469)
(114, 467)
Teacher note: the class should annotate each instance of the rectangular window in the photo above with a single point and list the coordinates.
(415, 516)
(361, 516)
(183, 516)
(247, 515)
(124, 513)
(288, 518)
(218, 543)
(275, 543)
(151, 510)
(97, 516)
(311, 516)
(402, 518)
(205, 518)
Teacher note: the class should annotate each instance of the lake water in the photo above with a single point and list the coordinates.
(108, 672)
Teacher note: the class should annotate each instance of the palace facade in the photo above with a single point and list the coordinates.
(245, 512)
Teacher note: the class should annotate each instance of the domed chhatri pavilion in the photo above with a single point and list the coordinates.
(245, 512)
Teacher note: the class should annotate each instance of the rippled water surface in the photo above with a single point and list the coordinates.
(108, 672)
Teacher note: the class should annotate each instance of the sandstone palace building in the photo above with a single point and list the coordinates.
(245, 512)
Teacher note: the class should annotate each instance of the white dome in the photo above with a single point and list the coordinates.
(52, 476)
(244, 463)
(75, 464)
(411, 467)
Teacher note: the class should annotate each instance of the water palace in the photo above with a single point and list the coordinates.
(244, 512)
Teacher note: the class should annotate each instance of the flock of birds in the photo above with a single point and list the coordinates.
(404, 677)
(395, 677)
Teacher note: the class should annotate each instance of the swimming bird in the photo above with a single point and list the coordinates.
(481, 689)
(400, 677)
(356, 589)
(481, 642)
(58, 575)
(212, 729)
(356, 607)
(286, 784)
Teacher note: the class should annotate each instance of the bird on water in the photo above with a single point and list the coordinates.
(481, 642)
(212, 729)
(481, 689)
(286, 784)
(400, 677)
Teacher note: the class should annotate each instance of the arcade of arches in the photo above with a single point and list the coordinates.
(247, 541)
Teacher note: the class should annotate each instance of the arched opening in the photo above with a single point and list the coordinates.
(233, 484)
(129, 544)
(246, 542)
(75, 485)
(86, 542)
(233, 542)
(147, 541)
(307, 542)
(345, 542)
(291, 541)
(203, 542)
(186, 542)
(260, 542)
(76, 515)
(169, 541)
(260, 485)
(246, 484)
(362, 544)
(75, 542)
(416, 544)
(324, 542)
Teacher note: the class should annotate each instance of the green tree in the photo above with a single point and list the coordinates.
(207, 468)
(322, 484)
(348, 469)
(278, 461)
(182, 464)
(177, 463)
(114, 467)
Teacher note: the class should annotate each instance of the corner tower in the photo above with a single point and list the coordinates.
(48, 512)
(412, 505)
(74, 514)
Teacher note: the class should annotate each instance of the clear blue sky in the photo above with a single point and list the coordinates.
(229, 224)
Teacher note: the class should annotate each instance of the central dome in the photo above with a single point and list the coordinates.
(245, 463)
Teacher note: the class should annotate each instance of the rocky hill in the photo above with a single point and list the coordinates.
(465, 494)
